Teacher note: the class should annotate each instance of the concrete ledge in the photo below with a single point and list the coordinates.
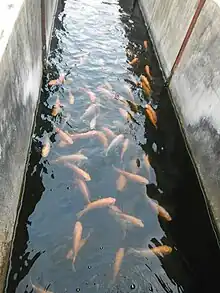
(20, 81)
(195, 84)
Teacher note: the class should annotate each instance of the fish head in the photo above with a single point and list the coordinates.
(112, 200)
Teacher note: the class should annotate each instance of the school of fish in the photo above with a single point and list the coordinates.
(112, 143)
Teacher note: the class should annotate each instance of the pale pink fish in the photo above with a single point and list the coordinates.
(128, 89)
(91, 110)
(74, 157)
(92, 96)
(118, 139)
(124, 147)
(100, 203)
(92, 123)
(125, 114)
(121, 182)
(109, 132)
(64, 136)
(132, 177)
(102, 138)
(118, 261)
(106, 92)
(83, 135)
(84, 189)
(83, 174)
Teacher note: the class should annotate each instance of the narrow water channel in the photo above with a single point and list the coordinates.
(92, 44)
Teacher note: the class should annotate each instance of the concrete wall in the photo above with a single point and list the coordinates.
(195, 84)
(20, 81)
(50, 9)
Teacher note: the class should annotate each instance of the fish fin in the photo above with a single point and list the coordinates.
(73, 264)
(69, 254)
(80, 214)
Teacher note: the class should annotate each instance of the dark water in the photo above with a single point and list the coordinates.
(92, 43)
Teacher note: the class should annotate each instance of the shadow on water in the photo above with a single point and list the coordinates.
(194, 262)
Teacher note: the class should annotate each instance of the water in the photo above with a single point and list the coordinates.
(92, 43)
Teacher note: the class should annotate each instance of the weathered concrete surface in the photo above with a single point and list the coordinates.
(195, 84)
(168, 21)
(50, 9)
(20, 80)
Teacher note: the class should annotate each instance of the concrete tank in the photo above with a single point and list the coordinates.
(195, 83)
(22, 27)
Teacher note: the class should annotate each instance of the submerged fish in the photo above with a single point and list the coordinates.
(64, 136)
(151, 114)
(160, 210)
(92, 96)
(100, 203)
(91, 110)
(134, 61)
(71, 98)
(109, 132)
(84, 189)
(87, 134)
(145, 44)
(102, 138)
(74, 157)
(56, 108)
(146, 252)
(58, 81)
(125, 217)
(147, 70)
(115, 142)
(124, 147)
(125, 114)
(128, 89)
(79, 171)
(145, 81)
(46, 148)
(132, 177)
(121, 182)
(40, 290)
(118, 261)
(106, 92)
(146, 89)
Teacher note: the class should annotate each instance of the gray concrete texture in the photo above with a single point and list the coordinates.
(195, 84)
(50, 10)
(20, 81)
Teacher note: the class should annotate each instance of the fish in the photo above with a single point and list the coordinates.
(128, 89)
(125, 114)
(57, 81)
(131, 219)
(160, 210)
(40, 290)
(133, 106)
(84, 189)
(115, 142)
(109, 132)
(46, 148)
(118, 261)
(134, 61)
(74, 157)
(92, 123)
(102, 138)
(56, 108)
(147, 70)
(91, 110)
(146, 161)
(121, 182)
(106, 92)
(151, 114)
(65, 137)
(100, 203)
(71, 98)
(146, 252)
(132, 177)
(87, 134)
(78, 242)
(145, 81)
(145, 44)
(147, 91)
(91, 95)
(83, 174)
(124, 147)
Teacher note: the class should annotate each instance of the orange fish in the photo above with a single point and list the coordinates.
(134, 61)
(145, 44)
(53, 82)
(71, 98)
(103, 139)
(56, 108)
(79, 171)
(46, 148)
(146, 252)
(147, 91)
(160, 210)
(84, 189)
(121, 182)
(100, 203)
(118, 261)
(109, 132)
(151, 115)
(131, 219)
(145, 81)
(124, 147)
(147, 70)
(64, 136)
(132, 177)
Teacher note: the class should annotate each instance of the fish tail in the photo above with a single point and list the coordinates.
(73, 264)
(80, 214)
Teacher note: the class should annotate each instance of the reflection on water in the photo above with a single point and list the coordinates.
(92, 45)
